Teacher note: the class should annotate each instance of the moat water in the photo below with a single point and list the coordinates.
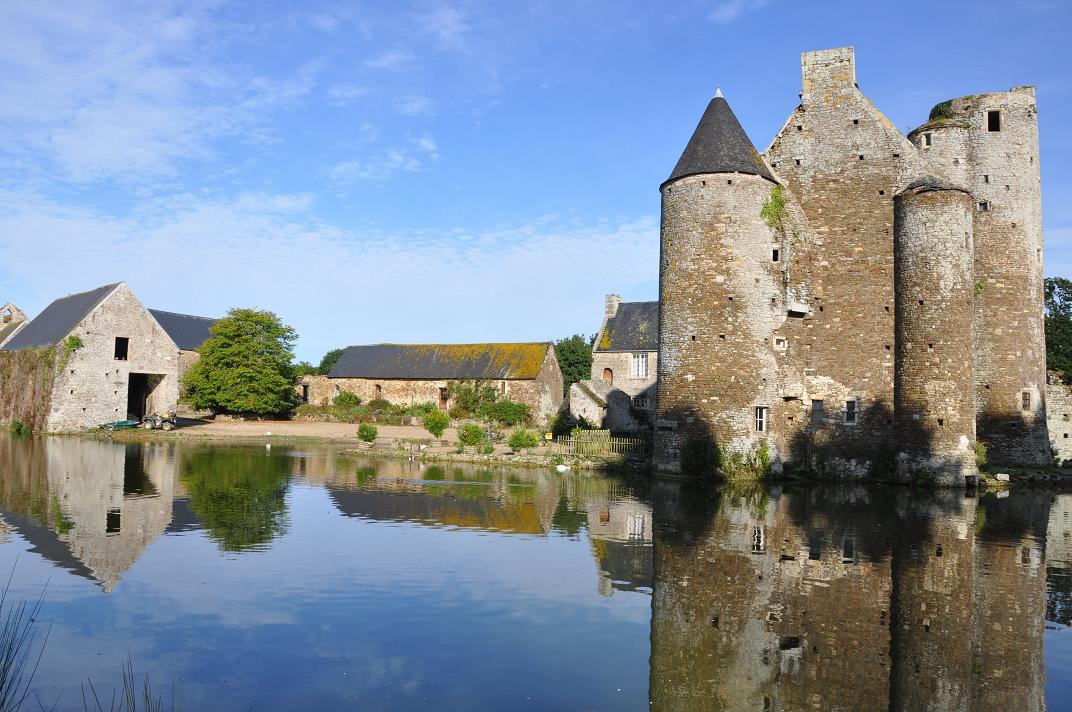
(290, 578)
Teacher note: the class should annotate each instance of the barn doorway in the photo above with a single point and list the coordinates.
(140, 388)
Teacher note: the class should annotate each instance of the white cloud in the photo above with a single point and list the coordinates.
(394, 60)
(109, 92)
(447, 25)
(727, 12)
(535, 280)
(384, 164)
(415, 105)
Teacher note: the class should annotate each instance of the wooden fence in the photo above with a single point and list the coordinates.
(600, 442)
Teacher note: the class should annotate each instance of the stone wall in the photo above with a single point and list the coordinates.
(543, 394)
(1059, 418)
(26, 385)
(92, 388)
(934, 397)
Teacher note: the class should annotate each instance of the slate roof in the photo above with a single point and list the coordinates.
(187, 331)
(441, 361)
(719, 145)
(635, 327)
(58, 319)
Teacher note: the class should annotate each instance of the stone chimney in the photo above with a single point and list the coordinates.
(827, 72)
(613, 300)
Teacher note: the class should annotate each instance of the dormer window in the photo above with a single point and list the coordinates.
(993, 120)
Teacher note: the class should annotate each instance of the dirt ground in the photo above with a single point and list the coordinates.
(340, 432)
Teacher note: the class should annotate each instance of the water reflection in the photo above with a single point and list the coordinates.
(848, 598)
(762, 598)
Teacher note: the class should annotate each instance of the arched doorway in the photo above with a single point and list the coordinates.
(379, 392)
(608, 376)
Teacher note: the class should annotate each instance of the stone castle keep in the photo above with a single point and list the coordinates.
(854, 299)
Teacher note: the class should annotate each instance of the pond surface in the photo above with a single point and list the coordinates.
(303, 578)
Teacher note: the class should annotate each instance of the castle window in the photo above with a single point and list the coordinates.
(855, 122)
(113, 521)
(984, 206)
(775, 254)
(378, 391)
(640, 401)
(861, 157)
(797, 161)
(993, 120)
(986, 179)
(799, 127)
(818, 414)
(926, 140)
(850, 411)
(848, 550)
(780, 343)
(1025, 400)
(640, 365)
(608, 376)
(761, 418)
(122, 346)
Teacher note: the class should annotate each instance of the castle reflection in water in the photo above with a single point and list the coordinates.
(769, 598)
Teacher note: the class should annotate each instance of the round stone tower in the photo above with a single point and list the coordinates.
(990, 142)
(933, 384)
(718, 288)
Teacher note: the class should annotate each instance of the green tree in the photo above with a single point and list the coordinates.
(436, 422)
(574, 359)
(1058, 294)
(328, 362)
(245, 365)
(304, 368)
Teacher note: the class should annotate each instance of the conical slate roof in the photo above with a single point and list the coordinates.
(719, 145)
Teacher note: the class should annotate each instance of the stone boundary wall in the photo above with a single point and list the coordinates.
(27, 378)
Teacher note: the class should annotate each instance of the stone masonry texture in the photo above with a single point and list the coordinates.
(803, 311)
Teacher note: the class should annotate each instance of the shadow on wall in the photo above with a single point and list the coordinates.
(1007, 432)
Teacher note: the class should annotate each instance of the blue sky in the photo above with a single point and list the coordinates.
(432, 171)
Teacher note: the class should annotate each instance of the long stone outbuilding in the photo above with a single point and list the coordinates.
(98, 357)
(784, 325)
(408, 374)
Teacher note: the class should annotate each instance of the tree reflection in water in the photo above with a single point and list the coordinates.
(239, 494)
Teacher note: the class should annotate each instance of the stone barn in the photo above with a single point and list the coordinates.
(620, 395)
(408, 374)
(113, 358)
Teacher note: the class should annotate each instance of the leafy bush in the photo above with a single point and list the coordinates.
(522, 438)
(346, 399)
(507, 412)
(436, 422)
(487, 449)
(367, 432)
(379, 405)
(420, 410)
(470, 397)
(471, 434)
(457, 413)
(980, 454)
(20, 429)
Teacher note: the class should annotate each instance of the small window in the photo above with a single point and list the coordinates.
(986, 178)
(113, 521)
(775, 254)
(797, 161)
(818, 414)
(850, 411)
(984, 206)
(993, 120)
(780, 343)
(855, 122)
(799, 127)
(122, 346)
(640, 365)
(608, 376)
(926, 140)
(641, 401)
(1025, 400)
(848, 550)
(761, 419)
(378, 390)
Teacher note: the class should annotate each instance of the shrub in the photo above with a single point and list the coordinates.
(20, 429)
(457, 413)
(420, 410)
(471, 434)
(471, 397)
(367, 432)
(488, 448)
(346, 399)
(436, 422)
(980, 454)
(507, 412)
(522, 438)
(379, 405)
